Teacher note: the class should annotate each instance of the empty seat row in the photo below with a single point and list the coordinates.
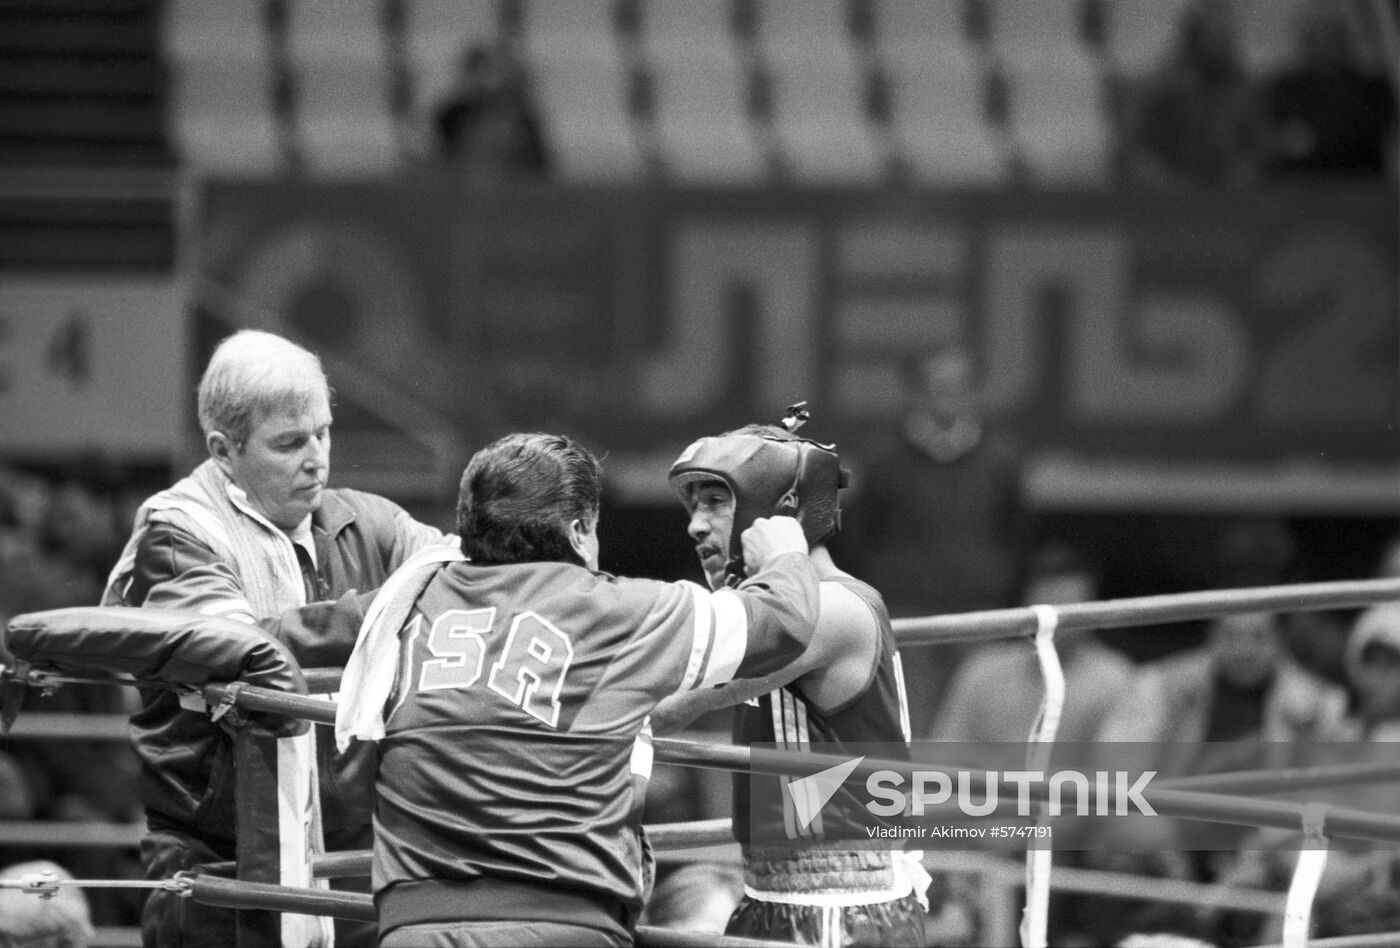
(351, 87)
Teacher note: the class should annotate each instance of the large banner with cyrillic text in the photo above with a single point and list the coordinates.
(1227, 328)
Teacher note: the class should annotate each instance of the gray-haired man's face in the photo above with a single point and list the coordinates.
(285, 462)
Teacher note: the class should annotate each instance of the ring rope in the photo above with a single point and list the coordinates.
(1075, 880)
(1212, 807)
(662, 836)
(1037, 621)
(1287, 779)
(201, 887)
(45, 885)
(1035, 918)
(1146, 610)
(358, 906)
(1381, 940)
(1023, 622)
(60, 725)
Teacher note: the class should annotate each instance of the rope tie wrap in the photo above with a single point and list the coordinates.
(1307, 874)
(1035, 920)
(228, 707)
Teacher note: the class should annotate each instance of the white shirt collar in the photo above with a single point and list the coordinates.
(300, 534)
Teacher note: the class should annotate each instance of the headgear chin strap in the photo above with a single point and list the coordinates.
(771, 472)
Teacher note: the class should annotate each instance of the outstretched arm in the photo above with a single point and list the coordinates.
(843, 647)
(764, 623)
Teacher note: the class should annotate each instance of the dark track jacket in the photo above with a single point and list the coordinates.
(187, 761)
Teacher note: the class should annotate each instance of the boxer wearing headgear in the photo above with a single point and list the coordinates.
(803, 882)
(770, 471)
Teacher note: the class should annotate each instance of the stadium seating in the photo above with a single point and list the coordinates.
(584, 109)
(1058, 119)
(703, 131)
(909, 30)
(1040, 28)
(939, 121)
(194, 30)
(344, 122)
(702, 91)
(346, 30)
(338, 65)
(222, 118)
(700, 94)
(1056, 113)
(820, 109)
(222, 87)
(582, 84)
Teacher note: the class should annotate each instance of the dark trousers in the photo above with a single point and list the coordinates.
(170, 920)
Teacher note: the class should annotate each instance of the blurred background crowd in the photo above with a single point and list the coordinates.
(114, 114)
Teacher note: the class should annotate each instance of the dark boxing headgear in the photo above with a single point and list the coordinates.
(770, 471)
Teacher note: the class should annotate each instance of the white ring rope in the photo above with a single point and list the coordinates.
(1313, 853)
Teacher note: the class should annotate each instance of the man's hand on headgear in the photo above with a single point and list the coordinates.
(769, 538)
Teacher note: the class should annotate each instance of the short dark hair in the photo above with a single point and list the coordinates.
(520, 494)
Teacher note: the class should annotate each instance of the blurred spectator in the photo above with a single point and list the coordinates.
(1235, 703)
(996, 692)
(1263, 551)
(29, 578)
(1373, 675)
(56, 538)
(937, 518)
(1199, 117)
(79, 529)
(1358, 894)
(1388, 563)
(1251, 551)
(27, 921)
(1328, 117)
(1358, 890)
(697, 896)
(16, 790)
(487, 125)
(1363, 902)
(1242, 686)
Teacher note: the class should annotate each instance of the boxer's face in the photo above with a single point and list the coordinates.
(711, 508)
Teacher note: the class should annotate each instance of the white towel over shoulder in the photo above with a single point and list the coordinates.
(369, 674)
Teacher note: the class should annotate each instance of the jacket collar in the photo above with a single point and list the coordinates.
(335, 514)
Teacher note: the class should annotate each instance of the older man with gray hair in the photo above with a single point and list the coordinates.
(252, 532)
